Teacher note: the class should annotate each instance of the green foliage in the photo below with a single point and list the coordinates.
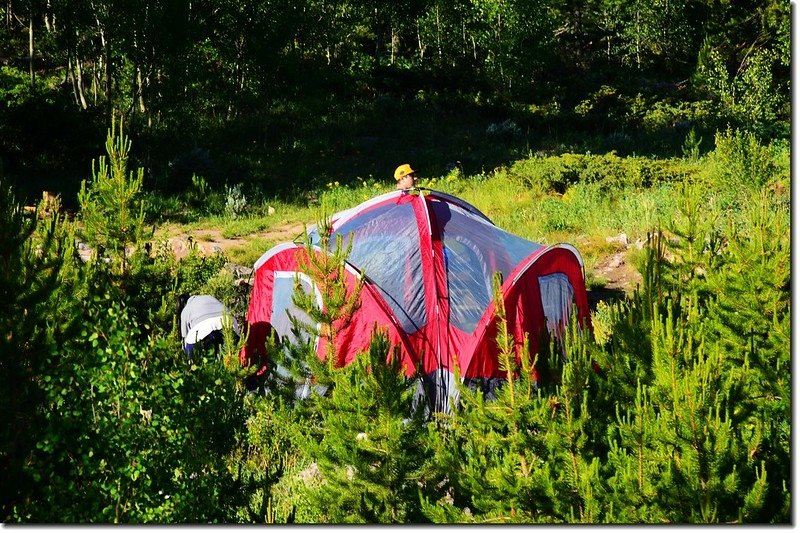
(278, 437)
(691, 145)
(104, 421)
(740, 165)
(751, 97)
(609, 171)
(15, 86)
(128, 435)
(371, 447)
(196, 270)
(34, 260)
(112, 210)
(525, 456)
(686, 417)
(351, 454)
(235, 201)
(325, 267)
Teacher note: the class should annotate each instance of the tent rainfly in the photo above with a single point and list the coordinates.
(427, 261)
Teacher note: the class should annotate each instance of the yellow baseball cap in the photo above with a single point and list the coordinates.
(403, 171)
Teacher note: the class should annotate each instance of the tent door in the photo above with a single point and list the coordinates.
(557, 297)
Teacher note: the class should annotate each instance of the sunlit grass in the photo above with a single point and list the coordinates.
(248, 253)
(586, 215)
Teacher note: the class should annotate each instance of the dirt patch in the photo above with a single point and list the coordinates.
(211, 241)
(618, 272)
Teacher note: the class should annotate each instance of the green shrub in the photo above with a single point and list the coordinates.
(371, 449)
(610, 171)
(15, 86)
(195, 270)
(37, 317)
(740, 166)
(235, 201)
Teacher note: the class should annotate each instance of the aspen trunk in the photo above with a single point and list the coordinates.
(78, 80)
(30, 50)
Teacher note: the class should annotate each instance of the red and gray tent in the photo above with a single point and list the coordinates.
(427, 261)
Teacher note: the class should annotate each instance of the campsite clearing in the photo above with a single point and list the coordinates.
(615, 268)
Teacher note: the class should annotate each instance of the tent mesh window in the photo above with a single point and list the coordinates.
(557, 296)
(282, 305)
(386, 249)
(474, 250)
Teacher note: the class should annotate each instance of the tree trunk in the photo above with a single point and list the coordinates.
(142, 107)
(95, 84)
(109, 78)
(70, 76)
(393, 35)
(377, 37)
(638, 40)
(134, 88)
(105, 43)
(47, 13)
(465, 44)
(438, 34)
(79, 82)
(30, 51)
(420, 44)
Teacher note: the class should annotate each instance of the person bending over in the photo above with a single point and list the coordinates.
(202, 318)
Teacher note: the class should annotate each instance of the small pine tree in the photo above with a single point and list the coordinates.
(34, 317)
(525, 456)
(371, 452)
(111, 206)
(325, 267)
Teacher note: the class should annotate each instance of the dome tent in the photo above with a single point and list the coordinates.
(427, 261)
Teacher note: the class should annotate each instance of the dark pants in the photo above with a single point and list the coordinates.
(212, 341)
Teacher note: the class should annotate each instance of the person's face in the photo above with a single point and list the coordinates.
(407, 181)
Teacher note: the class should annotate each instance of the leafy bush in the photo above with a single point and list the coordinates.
(15, 86)
(609, 170)
(195, 270)
(129, 435)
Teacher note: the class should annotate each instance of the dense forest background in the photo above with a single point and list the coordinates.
(286, 95)
(655, 133)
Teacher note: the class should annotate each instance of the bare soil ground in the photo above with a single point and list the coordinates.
(618, 272)
(210, 241)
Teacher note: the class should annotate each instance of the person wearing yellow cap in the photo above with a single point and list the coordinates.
(405, 176)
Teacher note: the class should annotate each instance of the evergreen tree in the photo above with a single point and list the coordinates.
(750, 318)
(371, 451)
(325, 267)
(112, 209)
(525, 456)
(691, 445)
(34, 318)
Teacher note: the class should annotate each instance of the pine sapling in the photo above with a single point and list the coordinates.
(325, 267)
(111, 204)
